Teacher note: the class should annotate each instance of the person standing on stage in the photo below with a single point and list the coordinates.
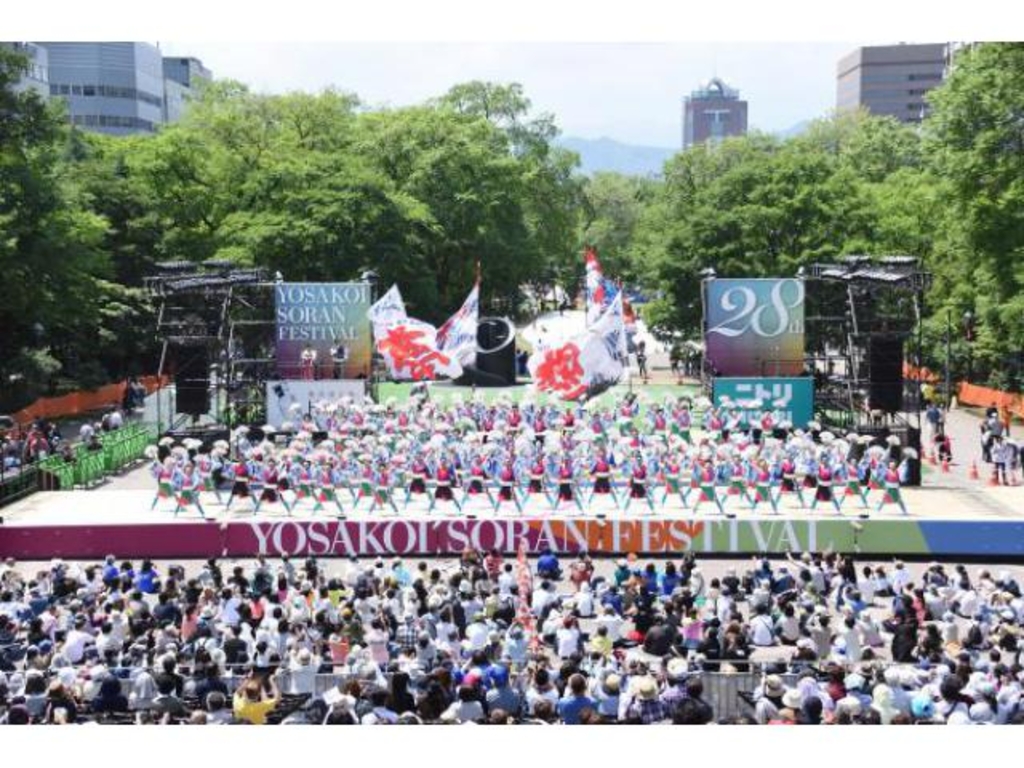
(307, 363)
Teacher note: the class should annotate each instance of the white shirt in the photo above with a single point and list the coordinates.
(75, 643)
(380, 716)
(476, 635)
(301, 678)
(568, 641)
(761, 631)
(614, 624)
(900, 579)
(505, 583)
(585, 604)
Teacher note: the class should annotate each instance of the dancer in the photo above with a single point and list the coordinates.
(638, 483)
(706, 486)
(763, 487)
(824, 491)
(190, 484)
(507, 487)
(891, 490)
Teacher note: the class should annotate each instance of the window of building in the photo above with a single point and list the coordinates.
(64, 90)
(76, 90)
(88, 90)
(54, 89)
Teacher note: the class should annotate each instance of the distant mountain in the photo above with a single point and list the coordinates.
(794, 130)
(609, 155)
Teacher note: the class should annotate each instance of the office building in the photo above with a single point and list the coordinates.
(181, 77)
(36, 78)
(116, 88)
(713, 112)
(891, 80)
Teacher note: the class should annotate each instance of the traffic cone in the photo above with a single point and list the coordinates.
(945, 465)
(932, 458)
(973, 474)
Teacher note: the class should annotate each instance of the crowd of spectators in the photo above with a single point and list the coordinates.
(23, 446)
(823, 639)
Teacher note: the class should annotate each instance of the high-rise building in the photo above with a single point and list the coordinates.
(713, 112)
(891, 79)
(109, 87)
(117, 88)
(181, 76)
(36, 78)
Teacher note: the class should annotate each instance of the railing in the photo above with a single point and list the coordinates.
(89, 466)
(725, 692)
(18, 483)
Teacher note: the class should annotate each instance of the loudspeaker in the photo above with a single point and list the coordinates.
(192, 380)
(496, 352)
(885, 374)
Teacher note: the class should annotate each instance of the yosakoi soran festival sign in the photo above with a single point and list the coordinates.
(322, 330)
(754, 327)
(450, 537)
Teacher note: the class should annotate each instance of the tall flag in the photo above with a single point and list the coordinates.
(388, 309)
(457, 337)
(586, 364)
(599, 290)
(408, 346)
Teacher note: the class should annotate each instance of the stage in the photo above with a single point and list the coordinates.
(950, 520)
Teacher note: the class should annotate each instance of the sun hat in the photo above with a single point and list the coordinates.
(647, 688)
(773, 686)
(882, 703)
(792, 699)
(612, 684)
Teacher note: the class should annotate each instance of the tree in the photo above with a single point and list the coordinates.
(50, 246)
(974, 141)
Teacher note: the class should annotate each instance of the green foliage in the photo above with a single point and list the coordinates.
(320, 187)
(313, 186)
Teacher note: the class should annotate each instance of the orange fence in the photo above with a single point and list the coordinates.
(914, 373)
(971, 394)
(83, 401)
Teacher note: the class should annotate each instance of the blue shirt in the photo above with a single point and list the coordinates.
(570, 708)
(547, 564)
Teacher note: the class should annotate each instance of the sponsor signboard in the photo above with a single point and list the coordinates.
(754, 327)
(791, 399)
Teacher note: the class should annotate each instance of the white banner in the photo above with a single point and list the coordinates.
(457, 337)
(588, 363)
(409, 349)
(389, 309)
(291, 400)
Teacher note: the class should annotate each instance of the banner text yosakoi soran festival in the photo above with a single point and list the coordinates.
(322, 330)
(332, 538)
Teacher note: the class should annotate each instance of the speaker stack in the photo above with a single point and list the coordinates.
(885, 374)
(192, 380)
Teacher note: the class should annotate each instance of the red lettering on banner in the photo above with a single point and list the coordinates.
(560, 372)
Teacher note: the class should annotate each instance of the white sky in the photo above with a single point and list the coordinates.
(631, 92)
(575, 58)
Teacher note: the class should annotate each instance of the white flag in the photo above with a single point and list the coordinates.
(388, 309)
(408, 346)
(457, 337)
(586, 364)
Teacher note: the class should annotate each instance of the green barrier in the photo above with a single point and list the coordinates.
(117, 450)
(89, 466)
